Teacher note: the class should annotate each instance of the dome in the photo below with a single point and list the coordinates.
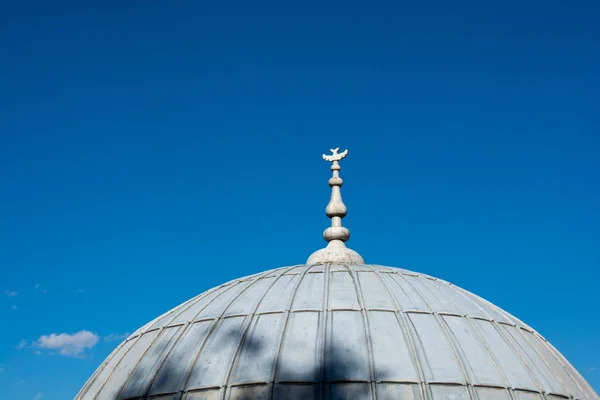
(336, 328)
(336, 331)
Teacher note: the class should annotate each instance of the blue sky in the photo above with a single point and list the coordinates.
(150, 151)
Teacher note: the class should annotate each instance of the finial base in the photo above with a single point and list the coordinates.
(335, 252)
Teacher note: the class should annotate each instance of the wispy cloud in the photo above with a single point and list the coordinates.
(11, 293)
(593, 369)
(38, 396)
(69, 345)
(40, 288)
(22, 344)
(113, 337)
(1, 369)
(14, 307)
(79, 290)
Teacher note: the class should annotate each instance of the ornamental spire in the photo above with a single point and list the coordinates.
(336, 250)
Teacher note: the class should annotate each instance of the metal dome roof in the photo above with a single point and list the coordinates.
(336, 331)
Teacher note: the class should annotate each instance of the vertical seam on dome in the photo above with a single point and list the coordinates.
(509, 388)
(94, 376)
(190, 303)
(366, 326)
(168, 349)
(250, 317)
(184, 330)
(455, 351)
(461, 293)
(588, 389)
(160, 331)
(114, 368)
(217, 295)
(179, 393)
(148, 325)
(475, 298)
(400, 318)
(479, 338)
(96, 373)
(520, 356)
(448, 339)
(403, 279)
(211, 329)
(456, 347)
(182, 309)
(213, 326)
(177, 311)
(571, 372)
(552, 371)
(285, 324)
(199, 297)
(323, 336)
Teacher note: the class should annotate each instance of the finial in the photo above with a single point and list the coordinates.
(336, 235)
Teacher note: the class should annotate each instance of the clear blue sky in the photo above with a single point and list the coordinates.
(150, 151)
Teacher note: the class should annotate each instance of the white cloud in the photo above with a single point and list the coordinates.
(11, 293)
(38, 396)
(67, 344)
(40, 288)
(14, 307)
(113, 337)
(37, 352)
(22, 344)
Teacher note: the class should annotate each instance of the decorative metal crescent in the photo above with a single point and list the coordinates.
(335, 156)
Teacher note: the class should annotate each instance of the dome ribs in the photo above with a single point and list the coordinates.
(128, 363)
(336, 331)
(101, 378)
(363, 312)
(98, 371)
(285, 327)
(247, 342)
(150, 364)
(210, 325)
(323, 332)
(242, 329)
(220, 290)
(402, 320)
(455, 327)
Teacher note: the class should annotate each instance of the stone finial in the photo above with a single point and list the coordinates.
(336, 235)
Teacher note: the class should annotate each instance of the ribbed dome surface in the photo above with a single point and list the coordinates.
(336, 332)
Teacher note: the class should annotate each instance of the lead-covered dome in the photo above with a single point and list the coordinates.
(336, 331)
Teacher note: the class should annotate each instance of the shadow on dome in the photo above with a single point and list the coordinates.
(339, 376)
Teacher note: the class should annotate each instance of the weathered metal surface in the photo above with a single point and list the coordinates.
(336, 331)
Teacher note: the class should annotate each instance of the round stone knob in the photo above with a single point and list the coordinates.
(336, 233)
